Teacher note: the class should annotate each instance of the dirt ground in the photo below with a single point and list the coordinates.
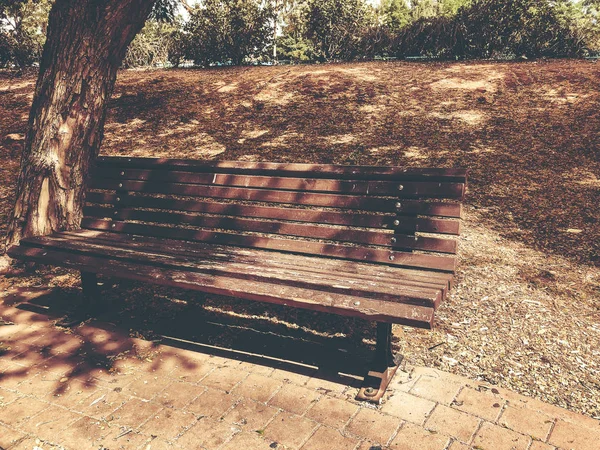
(525, 313)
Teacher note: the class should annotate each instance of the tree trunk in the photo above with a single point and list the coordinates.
(85, 45)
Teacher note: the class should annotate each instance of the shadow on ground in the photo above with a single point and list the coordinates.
(188, 321)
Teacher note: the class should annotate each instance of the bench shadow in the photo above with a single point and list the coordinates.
(177, 319)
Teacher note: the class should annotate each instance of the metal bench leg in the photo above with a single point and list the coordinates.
(91, 295)
(90, 304)
(383, 367)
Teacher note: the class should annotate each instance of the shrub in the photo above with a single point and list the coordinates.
(228, 31)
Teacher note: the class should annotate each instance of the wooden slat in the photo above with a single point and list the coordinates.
(368, 272)
(339, 234)
(355, 219)
(245, 194)
(428, 189)
(427, 296)
(421, 261)
(365, 275)
(376, 310)
(286, 169)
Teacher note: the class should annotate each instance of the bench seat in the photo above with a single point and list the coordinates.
(379, 293)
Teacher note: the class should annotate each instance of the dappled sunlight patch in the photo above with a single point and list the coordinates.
(203, 145)
(360, 73)
(469, 116)
(15, 137)
(558, 95)
(583, 177)
(12, 86)
(275, 96)
(282, 140)
(385, 150)
(249, 157)
(479, 149)
(228, 88)
(253, 134)
(372, 109)
(133, 125)
(178, 128)
(482, 82)
(338, 139)
(416, 153)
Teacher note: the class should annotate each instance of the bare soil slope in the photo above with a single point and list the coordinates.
(526, 310)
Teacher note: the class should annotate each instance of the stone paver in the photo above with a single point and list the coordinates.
(455, 423)
(66, 389)
(258, 387)
(327, 382)
(243, 441)
(146, 387)
(133, 413)
(208, 433)
(326, 437)
(333, 412)
(83, 433)
(294, 399)
(213, 403)
(459, 446)
(124, 438)
(251, 415)
(71, 394)
(296, 378)
(537, 445)
(479, 403)
(412, 437)
(8, 436)
(374, 426)
(408, 407)
(567, 435)
(101, 402)
(50, 422)
(436, 387)
(494, 437)
(534, 423)
(193, 372)
(290, 430)
(168, 423)
(179, 394)
(225, 378)
(20, 410)
(7, 397)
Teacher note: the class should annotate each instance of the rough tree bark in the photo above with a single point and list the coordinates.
(85, 45)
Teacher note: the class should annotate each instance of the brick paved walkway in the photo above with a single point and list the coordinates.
(95, 387)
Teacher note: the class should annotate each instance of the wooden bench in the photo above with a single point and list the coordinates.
(369, 242)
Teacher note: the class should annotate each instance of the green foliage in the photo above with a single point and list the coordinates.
(588, 25)
(294, 48)
(337, 28)
(491, 28)
(395, 14)
(228, 31)
(22, 31)
(153, 46)
(164, 11)
(420, 9)
(238, 31)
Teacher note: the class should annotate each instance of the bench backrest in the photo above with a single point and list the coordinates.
(387, 215)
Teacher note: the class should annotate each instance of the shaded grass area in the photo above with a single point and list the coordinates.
(526, 310)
